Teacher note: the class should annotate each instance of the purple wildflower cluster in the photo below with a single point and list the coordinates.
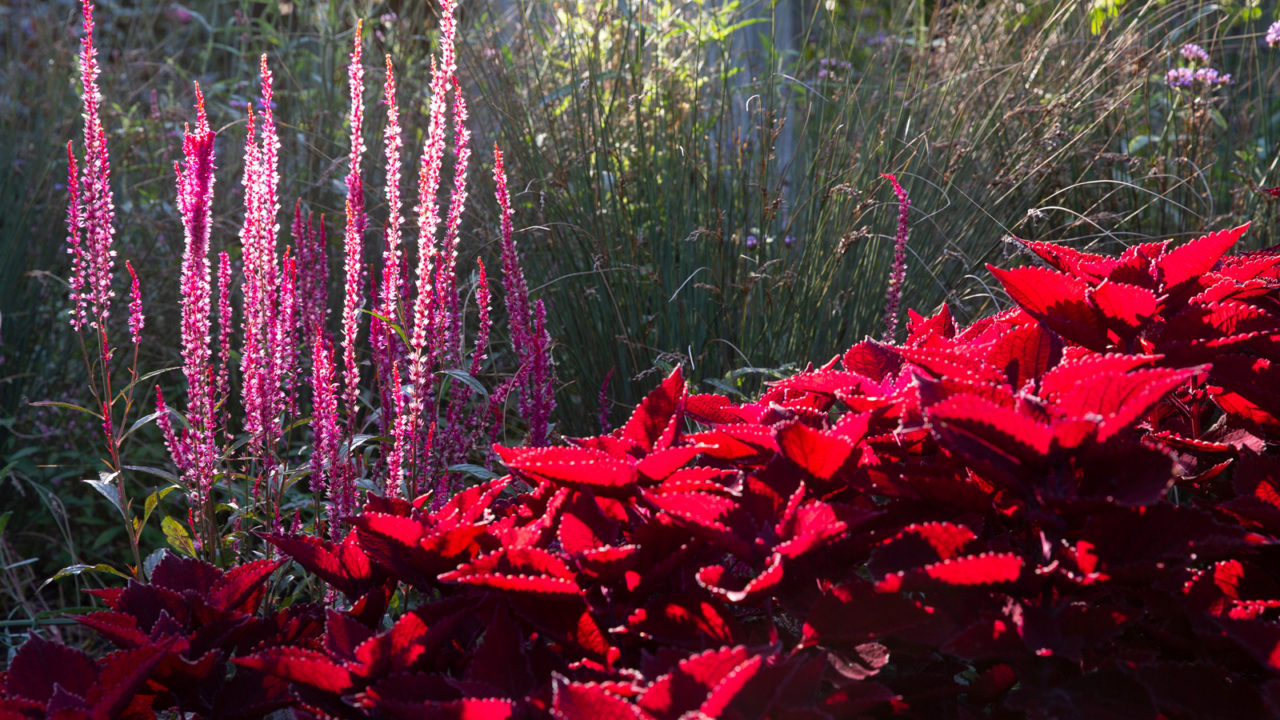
(829, 68)
(1196, 74)
(1194, 54)
(1273, 34)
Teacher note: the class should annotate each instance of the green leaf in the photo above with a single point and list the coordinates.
(162, 474)
(391, 324)
(105, 485)
(177, 536)
(127, 388)
(4, 520)
(149, 565)
(468, 380)
(152, 500)
(725, 387)
(476, 471)
(65, 406)
(141, 422)
(81, 568)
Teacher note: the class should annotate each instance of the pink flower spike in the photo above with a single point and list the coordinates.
(898, 274)
(327, 473)
(136, 319)
(399, 441)
(91, 278)
(75, 245)
(353, 244)
(482, 333)
(195, 198)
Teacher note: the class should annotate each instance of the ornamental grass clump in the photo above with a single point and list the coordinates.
(281, 423)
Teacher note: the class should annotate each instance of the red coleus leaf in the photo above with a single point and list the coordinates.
(960, 363)
(410, 696)
(121, 676)
(344, 566)
(518, 569)
(662, 463)
(707, 513)
(590, 701)
(119, 628)
(1024, 354)
(819, 452)
(303, 667)
(737, 443)
(710, 409)
(920, 544)
(181, 574)
(1055, 299)
(241, 588)
(702, 479)
(716, 580)
(695, 681)
(580, 467)
(393, 542)
(871, 360)
(1071, 261)
(1119, 398)
(684, 620)
(824, 382)
(40, 664)
(1125, 308)
(656, 420)
(983, 569)
(1196, 257)
(921, 330)
(996, 438)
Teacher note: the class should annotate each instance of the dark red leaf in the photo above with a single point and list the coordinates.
(40, 664)
(655, 422)
(303, 667)
(590, 701)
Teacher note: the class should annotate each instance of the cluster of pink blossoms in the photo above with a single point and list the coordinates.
(416, 331)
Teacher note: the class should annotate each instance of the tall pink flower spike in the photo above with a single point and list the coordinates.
(898, 274)
(91, 211)
(386, 347)
(195, 198)
(528, 328)
(420, 378)
(353, 239)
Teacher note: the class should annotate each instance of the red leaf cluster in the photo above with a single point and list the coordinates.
(1067, 510)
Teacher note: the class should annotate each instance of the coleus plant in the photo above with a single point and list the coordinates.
(1062, 510)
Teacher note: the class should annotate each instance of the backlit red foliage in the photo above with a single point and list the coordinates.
(1066, 510)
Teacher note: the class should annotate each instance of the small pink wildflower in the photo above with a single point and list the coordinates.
(136, 319)
(897, 275)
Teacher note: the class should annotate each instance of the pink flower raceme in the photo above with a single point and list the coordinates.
(354, 237)
(195, 196)
(261, 395)
(386, 346)
(1273, 34)
(898, 274)
(528, 328)
(91, 211)
(136, 319)
(329, 472)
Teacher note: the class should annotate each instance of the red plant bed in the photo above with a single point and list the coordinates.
(1067, 510)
